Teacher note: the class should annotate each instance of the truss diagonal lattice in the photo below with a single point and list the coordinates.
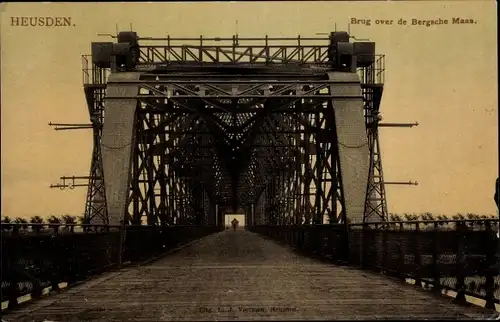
(186, 132)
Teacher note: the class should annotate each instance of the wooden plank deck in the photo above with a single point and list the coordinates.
(241, 275)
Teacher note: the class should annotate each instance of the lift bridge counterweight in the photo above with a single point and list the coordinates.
(264, 142)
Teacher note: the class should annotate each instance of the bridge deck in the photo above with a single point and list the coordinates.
(240, 275)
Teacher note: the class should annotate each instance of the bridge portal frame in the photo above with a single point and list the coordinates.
(260, 52)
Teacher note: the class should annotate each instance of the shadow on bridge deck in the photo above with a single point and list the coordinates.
(241, 275)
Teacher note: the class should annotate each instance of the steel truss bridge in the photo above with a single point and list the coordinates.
(284, 130)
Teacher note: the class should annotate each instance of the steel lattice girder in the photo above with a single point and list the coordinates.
(95, 205)
(249, 53)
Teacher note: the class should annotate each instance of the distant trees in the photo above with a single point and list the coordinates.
(411, 217)
(83, 220)
(37, 223)
(54, 223)
(394, 217)
(21, 224)
(70, 222)
(431, 217)
(6, 223)
(427, 216)
(458, 216)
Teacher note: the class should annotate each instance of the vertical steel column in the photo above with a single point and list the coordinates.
(118, 142)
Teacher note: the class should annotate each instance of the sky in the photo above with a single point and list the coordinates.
(443, 76)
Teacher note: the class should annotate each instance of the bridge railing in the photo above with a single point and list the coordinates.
(36, 257)
(457, 255)
(322, 240)
(144, 242)
(92, 74)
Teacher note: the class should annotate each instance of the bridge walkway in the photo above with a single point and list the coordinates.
(241, 275)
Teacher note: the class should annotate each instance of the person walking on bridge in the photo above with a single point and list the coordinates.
(234, 223)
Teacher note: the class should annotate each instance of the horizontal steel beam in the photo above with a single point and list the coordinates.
(398, 124)
(236, 109)
(166, 96)
(409, 183)
(163, 131)
(235, 81)
(295, 146)
(235, 53)
(246, 69)
(235, 37)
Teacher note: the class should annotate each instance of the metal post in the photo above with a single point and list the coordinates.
(217, 216)
(121, 249)
(252, 214)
